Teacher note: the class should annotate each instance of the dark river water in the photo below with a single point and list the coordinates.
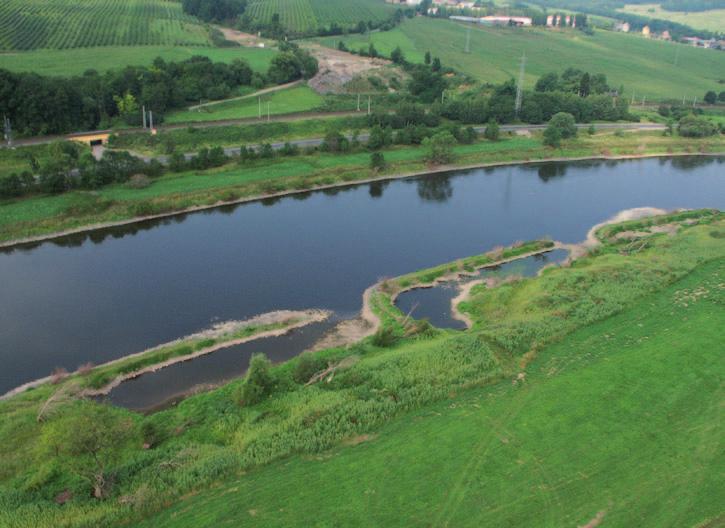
(103, 295)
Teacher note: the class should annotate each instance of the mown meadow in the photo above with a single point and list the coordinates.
(590, 391)
(645, 67)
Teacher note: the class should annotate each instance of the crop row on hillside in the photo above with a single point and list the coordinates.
(62, 24)
(307, 15)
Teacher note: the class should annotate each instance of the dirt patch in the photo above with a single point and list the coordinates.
(247, 40)
(337, 68)
(670, 229)
(596, 521)
(359, 439)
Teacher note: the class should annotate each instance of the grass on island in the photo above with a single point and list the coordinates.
(38, 215)
(62, 24)
(644, 66)
(290, 100)
(710, 20)
(67, 62)
(617, 415)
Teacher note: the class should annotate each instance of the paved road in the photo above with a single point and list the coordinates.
(316, 142)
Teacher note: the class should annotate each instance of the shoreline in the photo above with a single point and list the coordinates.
(9, 244)
(306, 317)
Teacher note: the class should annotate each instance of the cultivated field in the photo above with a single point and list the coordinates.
(62, 24)
(77, 60)
(711, 20)
(652, 68)
(308, 15)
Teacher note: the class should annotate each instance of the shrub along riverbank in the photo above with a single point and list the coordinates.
(40, 216)
(83, 448)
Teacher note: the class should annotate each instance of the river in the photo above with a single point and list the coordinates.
(98, 296)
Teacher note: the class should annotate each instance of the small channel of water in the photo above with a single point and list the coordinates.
(434, 303)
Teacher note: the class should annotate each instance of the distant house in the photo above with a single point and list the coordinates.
(646, 32)
(622, 26)
(550, 20)
(666, 35)
(507, 20)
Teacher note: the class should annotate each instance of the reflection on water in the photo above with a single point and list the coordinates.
(101, 295)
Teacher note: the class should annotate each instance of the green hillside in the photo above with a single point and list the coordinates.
(62, 24)
(307, 15)
(76, 61)
(644, 66)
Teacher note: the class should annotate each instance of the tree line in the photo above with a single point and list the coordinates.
(37, 104)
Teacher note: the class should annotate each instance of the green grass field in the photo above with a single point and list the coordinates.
(711, 20)
(308, 15)
(644, 66)
(62, 24)
(623, 417)
(78, 60)
(296, 99)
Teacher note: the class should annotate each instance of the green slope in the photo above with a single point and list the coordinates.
(621, 421)
(644, 66)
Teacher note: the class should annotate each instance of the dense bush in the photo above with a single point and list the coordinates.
(440, 148)
(561, 126)
(693, 126)
(258, 383)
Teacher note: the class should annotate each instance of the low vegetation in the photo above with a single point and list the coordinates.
(610, 310)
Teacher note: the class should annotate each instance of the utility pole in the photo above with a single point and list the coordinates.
(151, 120)
(143, 113)
(633, 92)
(683, 100)
(644, 99)
(468, 40)
(694, 101)
(368, 105)
(259, 102)
(520, 86)
(8, 132)
(358, 102)
(267, 111)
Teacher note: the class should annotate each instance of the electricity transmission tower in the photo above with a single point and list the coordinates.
(520, 85)
(468, 40)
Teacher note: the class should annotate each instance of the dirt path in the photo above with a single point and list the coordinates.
(264, 91)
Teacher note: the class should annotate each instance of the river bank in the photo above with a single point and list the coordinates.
(35, 225)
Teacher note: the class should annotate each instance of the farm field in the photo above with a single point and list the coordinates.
(646, 67)
(711, 20)
(62, 24)
(296, 99)
(76, 61)
(611, 423)
(308, 15)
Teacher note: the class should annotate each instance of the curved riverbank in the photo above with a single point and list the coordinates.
(220, 336)
(342, 184)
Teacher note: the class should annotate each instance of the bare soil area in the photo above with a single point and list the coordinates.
(338, 68)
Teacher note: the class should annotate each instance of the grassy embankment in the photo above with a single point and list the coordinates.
(617, 413)
(42, 215)
(291, 100)
(193, 139)
(644, 66)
